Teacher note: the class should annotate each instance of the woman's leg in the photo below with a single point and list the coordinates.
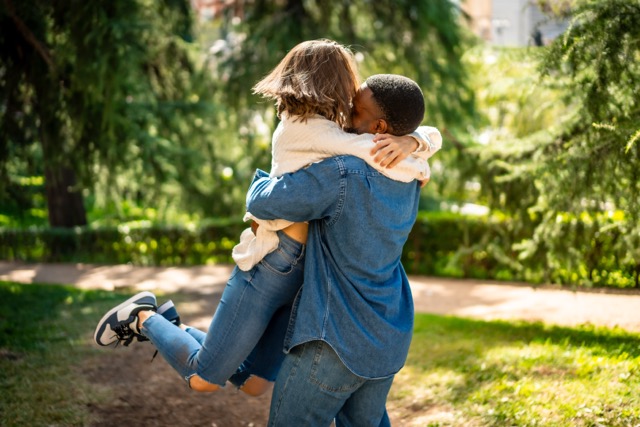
(256, 374)
(247, 306)
(259, 370)
(197, 334)
(174, 344)
(266, 357)
(248, 303)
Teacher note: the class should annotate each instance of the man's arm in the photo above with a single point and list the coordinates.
(305, 195)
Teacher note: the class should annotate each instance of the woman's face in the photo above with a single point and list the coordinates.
(366, 115)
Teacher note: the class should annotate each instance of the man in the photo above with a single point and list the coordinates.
(352, 322)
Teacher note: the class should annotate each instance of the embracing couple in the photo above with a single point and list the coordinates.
(319, 301)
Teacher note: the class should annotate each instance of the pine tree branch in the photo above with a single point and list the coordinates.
(456, 142)
(28, 35)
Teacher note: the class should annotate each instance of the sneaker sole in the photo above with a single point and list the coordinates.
(114, 310)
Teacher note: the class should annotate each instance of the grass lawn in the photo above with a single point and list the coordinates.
(45, 338)
(463, 372)
(460, 372)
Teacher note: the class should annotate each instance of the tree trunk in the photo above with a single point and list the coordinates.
(64, 200)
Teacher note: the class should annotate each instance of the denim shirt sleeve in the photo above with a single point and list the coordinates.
(307, 194)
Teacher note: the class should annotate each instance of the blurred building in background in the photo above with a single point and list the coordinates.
(517, 22)
(207, 10)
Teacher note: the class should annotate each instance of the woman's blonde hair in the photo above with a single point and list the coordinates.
(315, 77)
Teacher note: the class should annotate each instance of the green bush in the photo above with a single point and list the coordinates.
(497, 248)
(440, 244)
(138, 244)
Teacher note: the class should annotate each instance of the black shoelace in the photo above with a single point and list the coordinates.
(125, 334)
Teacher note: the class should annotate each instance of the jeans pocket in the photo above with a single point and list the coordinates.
(330, 374)
(279, 262)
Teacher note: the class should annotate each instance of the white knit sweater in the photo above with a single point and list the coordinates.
(296, 144)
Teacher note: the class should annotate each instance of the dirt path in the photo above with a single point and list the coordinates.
(469, 298)
(198, 290)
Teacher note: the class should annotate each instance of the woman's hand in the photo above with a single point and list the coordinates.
(391, 150)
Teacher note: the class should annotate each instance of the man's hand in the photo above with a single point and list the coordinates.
(391, 150)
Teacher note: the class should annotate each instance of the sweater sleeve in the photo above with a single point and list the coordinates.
(429, 141)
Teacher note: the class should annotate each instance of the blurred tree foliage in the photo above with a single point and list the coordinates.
(423, 40)
(108, 97)
(118, 108)
(576, 183)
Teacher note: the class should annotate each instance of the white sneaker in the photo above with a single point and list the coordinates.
(120, 324)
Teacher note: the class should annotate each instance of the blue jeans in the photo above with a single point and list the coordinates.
(314, 387)
(249, 324)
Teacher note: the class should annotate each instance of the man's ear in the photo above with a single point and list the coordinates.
(382, 126)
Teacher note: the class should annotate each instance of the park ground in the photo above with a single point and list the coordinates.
(150, 394)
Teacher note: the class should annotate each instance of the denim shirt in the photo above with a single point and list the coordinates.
(356, 295)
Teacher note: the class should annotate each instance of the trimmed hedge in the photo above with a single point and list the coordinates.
(440, 244)
(137, 244)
